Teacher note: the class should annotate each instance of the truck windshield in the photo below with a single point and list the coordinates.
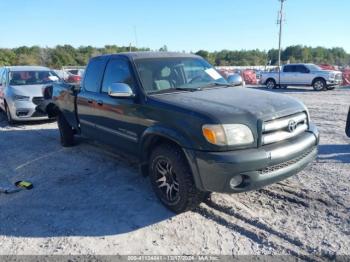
(19, 78)
(166, 74)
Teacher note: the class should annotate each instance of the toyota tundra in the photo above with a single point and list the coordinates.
(192, 132)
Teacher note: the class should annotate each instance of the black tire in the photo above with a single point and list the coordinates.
(330, 87)
(10, 121)
(319, 84)
(66, 131)
(169, 169)
(271, 84)
(347, 128)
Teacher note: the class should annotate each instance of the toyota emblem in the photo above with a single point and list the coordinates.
(292, 125)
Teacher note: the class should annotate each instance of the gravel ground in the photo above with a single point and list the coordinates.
(89, 200)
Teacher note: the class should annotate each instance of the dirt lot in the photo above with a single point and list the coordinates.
(88, 200)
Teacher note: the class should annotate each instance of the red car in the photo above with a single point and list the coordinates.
(75, 75)
(73, 78)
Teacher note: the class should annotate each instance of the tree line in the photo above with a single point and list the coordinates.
(292, 54)
(67, 55)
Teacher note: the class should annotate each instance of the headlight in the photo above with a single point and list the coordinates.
(228, 135)
(331, 76)
(21, 98)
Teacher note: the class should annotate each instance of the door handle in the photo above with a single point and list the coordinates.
(90, 101)
(100, 102)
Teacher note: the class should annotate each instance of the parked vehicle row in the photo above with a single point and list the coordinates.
(192, 132)
(302, 75)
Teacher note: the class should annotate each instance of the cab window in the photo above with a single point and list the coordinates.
(93, 75)
(117, 71)
(287, 69)
(301, 69)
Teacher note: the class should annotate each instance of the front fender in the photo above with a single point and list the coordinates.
(161, 132)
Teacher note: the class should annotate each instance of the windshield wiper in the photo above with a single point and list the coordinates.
(214, 84)
(170, 90)
(190, 89)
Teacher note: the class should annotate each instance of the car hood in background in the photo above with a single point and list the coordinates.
(29, 90)
(226, 103)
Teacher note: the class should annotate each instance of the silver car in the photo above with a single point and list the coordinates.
(21, 91)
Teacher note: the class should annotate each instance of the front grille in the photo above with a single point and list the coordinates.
(38, 100)
(284, 128)
(338, 77)
(293, 161)
(38, 114)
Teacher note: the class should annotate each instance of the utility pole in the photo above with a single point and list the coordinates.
(280, 23)
(135, 35)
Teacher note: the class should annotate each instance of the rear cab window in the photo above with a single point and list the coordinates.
(94, 73)
(288, 69)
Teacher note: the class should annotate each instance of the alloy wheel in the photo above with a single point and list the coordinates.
(166, 180)
(270, 84)
(319, 85)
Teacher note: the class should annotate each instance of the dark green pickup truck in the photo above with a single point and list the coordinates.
(192, 131)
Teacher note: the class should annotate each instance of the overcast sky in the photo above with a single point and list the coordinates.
(187, 25)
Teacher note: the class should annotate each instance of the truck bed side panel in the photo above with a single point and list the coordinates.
(65, 99)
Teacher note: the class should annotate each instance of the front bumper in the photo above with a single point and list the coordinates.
(334, 82)
(258, 167)
(25, 111)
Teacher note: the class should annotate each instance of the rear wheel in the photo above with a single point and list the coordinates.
(271, 84)
(66, 131)
(319, 84)
(172, 179)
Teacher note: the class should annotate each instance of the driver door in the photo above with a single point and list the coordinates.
(118, 121)
(302, 75)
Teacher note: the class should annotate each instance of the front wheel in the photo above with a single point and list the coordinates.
(172, 179)
(66, 131)
(271, 84)
(319, 85)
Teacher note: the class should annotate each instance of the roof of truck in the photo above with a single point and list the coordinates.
(28, 68)
(152, 54)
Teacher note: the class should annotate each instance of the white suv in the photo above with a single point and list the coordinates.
(302, 75)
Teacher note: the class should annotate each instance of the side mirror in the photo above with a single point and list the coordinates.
(120, 90)
(235, 80)
(347, 129)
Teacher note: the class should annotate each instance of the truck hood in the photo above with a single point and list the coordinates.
(28, 90)
(223, 104)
